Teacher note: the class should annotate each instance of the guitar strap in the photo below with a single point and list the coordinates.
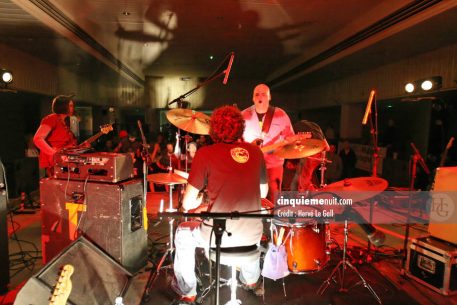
(268, 118)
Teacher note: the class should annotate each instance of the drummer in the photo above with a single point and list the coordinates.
(234, 174)
(304, 178)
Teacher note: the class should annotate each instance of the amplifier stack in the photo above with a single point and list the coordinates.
(93, 195)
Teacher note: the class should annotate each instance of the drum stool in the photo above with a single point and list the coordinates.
(235, 257)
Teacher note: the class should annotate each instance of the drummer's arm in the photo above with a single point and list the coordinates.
(191, 199)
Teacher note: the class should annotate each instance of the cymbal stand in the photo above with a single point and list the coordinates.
(341, 269)
(186, 160)
(413, 173)
(146, 161)
(323, 168)
(154, 275)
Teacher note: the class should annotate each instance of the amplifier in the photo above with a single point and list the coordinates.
(100, 166)
(112, 216)
(433, 263)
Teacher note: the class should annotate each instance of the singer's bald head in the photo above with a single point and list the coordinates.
(261, 98)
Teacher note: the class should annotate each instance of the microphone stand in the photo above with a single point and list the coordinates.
(204, 83)
(375, 156)
(414, 159)
(374, 138)
(145, 155)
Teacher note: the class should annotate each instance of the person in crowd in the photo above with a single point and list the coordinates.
(349, 160)
(234, 174)
(168, 160)
(109, 146)
(157, 147)
(124, 145)
(202, 141)
(267, 125)
(334, 167)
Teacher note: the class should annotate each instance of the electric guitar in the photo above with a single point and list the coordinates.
(104, 129)
(63, 286)
(444, 155)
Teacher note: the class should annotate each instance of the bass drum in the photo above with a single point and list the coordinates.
(305, 243)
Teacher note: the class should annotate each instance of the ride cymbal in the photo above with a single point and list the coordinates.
(189, 120)
(357, 189)
(166, 178)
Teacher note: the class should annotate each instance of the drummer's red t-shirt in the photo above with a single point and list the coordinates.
(232, 174)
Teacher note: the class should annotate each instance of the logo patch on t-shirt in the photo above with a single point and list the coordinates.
(239, 154)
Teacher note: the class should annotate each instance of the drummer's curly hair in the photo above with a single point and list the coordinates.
(227, 125)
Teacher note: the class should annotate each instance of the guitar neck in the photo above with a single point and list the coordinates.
(93, 138)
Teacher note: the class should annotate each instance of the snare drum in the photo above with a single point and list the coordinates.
(305, 243)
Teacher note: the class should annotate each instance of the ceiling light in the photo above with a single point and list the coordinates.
(424, 85)
(6, 76)
(409, 87)
(427, 85)
(125, 13)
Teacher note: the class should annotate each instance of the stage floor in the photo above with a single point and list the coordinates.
(383, 273)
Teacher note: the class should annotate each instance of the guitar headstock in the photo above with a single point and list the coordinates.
(106, 128)
(63, 286)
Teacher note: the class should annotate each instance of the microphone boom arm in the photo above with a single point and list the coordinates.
(200, 85)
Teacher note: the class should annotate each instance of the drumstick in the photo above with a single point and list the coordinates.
(281, 235)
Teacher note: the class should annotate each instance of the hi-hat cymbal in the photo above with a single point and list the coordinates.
(299, 148)
(357, 189)
(166, 178)
(189, 120)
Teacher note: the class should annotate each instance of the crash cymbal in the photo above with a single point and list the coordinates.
(300, 148)
(288, 140)
(189, 120)
(166, 178)
(357, 189)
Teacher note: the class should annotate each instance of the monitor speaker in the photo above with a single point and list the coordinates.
(96, 279)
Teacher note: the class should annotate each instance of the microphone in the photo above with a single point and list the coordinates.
(420, 159)
(229, 67)
(368, 109)
(374, 236)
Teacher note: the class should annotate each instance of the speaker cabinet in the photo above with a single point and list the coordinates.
(109, 215)
(97, 279)
(4, 256)
(443, 209)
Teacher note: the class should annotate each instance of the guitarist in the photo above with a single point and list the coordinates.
(267, 125)
(53, 133)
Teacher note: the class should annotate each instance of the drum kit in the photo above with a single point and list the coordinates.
(306, 242)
